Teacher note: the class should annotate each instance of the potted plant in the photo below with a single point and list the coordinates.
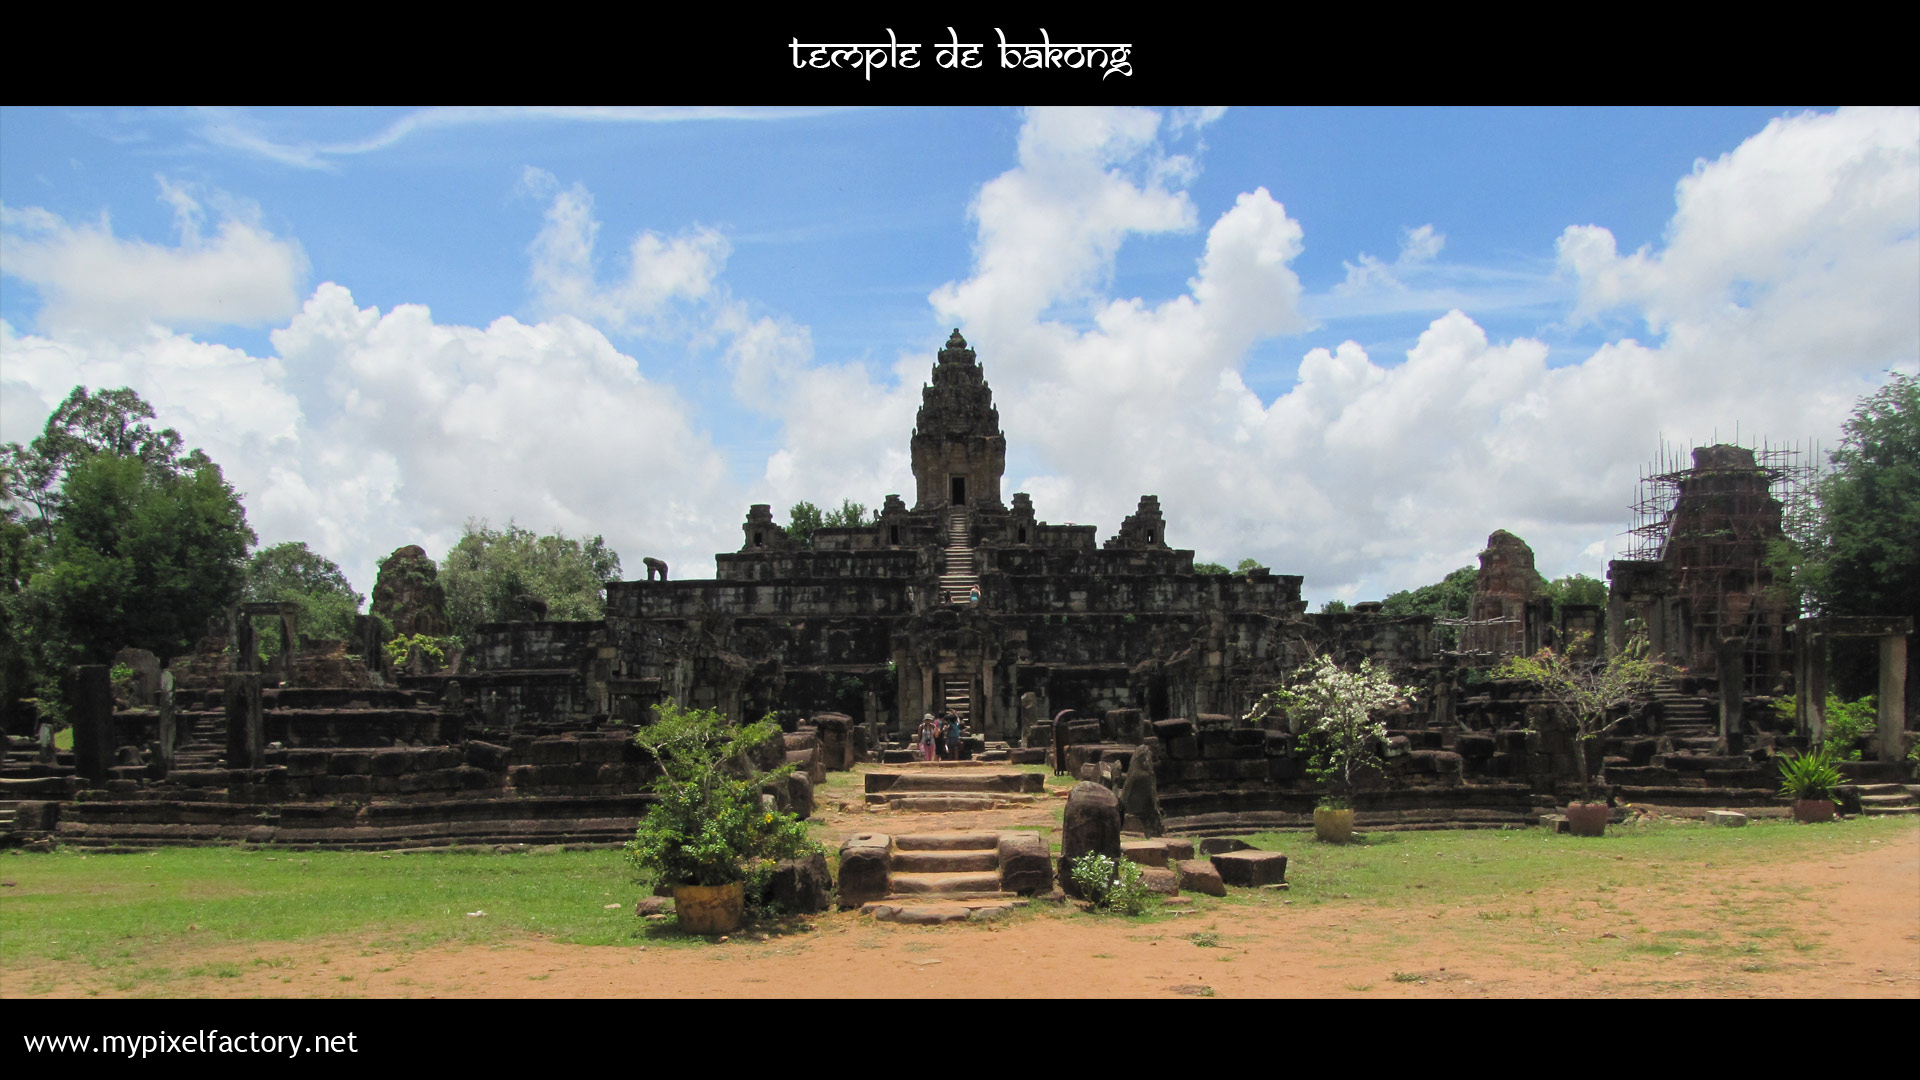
(1338, 707)
(1813, 782)
(707, 834)
(1595, 696)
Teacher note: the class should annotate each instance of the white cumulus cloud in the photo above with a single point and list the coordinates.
(92, 282)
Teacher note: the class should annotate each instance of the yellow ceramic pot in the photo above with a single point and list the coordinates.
(710, 909)
(1332, 826)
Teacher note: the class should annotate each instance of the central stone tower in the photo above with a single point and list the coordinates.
(959, 453)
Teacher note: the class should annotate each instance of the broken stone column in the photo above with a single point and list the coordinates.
(1090, 826)
(168, 733)
(1730, 654)
(1893, 696)
(246, 731)
(1140, 795)
(90, 698)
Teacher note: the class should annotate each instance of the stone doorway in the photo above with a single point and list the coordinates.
(959, 486)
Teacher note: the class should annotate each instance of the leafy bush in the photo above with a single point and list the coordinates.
(708, 826)
(1111, 887)
(1811, 775)
(1849, 721)
(401, 649)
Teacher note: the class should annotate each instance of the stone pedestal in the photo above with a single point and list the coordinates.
(246, 733)
(90, 697)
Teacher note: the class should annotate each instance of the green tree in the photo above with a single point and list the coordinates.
(1859, 555)
(1449, 598)
(292, 573)
(1248, 564)
(1576, 589)
(1864, 558)
(139, 557)
(804, 517)
(489, 567)
(1210, 568)
(110, 422)
(1334, 607)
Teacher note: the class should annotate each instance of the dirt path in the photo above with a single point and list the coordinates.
(1830, 925)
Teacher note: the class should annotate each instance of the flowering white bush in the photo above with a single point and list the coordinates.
(1111, 886)
(1340, 704)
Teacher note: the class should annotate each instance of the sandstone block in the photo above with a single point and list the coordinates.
(1024, 863)
(866, 864)
(1198, 875)
(1160, 880)
(1249, 869)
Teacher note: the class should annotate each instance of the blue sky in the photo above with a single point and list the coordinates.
(1350, 343)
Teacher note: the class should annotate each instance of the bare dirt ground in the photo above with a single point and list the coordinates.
(1831, 925)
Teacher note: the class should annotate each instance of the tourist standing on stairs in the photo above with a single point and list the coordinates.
(927, 734)
(973, 596)
(953, 736)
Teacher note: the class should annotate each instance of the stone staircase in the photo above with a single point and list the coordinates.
(949, 865)
(960, 576)
(1889, 798)
(200, 740)
(940, 786)
(939, 877)
(957, 699)
(1688, 766)
(1687, 722)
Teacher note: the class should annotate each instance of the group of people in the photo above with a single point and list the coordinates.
(940, 738)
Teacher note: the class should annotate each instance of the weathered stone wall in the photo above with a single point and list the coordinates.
(897, 564)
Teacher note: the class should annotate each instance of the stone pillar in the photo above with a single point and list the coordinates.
(90, 698)
(169, 732)
(246, 650)
(1814, 723)
(1893, 696)
(989, 725)
(246, 732)
(1730, 657)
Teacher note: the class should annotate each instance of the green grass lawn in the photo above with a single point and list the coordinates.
(1449, 866)
(143, 915)
(120, 910)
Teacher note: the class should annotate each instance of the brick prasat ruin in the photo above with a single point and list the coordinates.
(850, 636)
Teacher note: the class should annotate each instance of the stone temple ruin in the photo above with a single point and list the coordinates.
(852, 635)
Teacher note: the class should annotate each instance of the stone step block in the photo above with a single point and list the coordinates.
(947, 862)
(948, 884)
(1250, 869)
(1727, 818)
(922, 914)
(1199, 875)
(935, 802)
(965, 777)
(1145, 852)
(946, 841)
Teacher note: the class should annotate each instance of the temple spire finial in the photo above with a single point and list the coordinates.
(956, 351)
